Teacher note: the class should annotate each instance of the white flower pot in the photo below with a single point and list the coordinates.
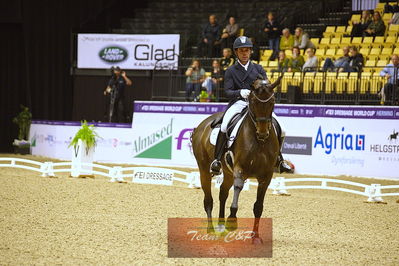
(81, 156)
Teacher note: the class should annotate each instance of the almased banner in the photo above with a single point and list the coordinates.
(139, 52)
(321, 140)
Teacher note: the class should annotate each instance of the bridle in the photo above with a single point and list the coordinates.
(262, 119)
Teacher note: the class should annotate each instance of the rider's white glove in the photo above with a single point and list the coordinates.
(245, 93)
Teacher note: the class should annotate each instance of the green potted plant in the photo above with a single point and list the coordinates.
(83, 144)
(23, 120)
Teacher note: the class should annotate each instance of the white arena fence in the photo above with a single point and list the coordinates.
(279, 185)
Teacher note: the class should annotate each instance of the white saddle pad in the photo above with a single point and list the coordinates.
(214, 134)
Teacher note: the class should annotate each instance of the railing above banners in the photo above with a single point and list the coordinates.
(165, 176)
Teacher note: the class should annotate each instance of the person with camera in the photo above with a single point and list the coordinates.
(115, 90)
(195, 75)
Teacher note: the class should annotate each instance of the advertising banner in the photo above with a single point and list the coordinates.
(139, 52)
(320, 140)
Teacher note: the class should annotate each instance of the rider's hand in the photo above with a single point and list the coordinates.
(245, 93)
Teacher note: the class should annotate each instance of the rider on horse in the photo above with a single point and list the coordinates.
(238, 80)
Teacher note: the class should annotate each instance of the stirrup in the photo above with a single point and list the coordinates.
(284, 167)
(216, 167)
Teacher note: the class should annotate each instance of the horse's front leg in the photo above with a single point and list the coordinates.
(223, 195)
(263, 184)
(238, 185)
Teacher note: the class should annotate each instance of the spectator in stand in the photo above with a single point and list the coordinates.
(360, 26)
(356, 61)
(230, 33)
(195, 76)
(376, 27)
(302, 40)
(210, 38)
(391, 72)
(282, 62)
(296, 61)
(395, 19)
(287, 40)
(339, 64)
(272, 28)
(227, 59)
(311, 63)
(255, 55)
(213, 83)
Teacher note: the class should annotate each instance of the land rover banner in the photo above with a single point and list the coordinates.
(139, 52)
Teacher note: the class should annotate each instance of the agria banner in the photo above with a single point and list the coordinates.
(139, 52)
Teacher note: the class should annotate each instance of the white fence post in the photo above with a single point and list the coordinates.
(50, 169)
(194, 178)
(279, 186)
(116, 174)
(374, 193)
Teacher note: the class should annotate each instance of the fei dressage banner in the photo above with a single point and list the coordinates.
(140, 52)
(321, 140)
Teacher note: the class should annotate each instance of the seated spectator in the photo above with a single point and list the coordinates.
(311, 63)
(296, 62)
(376, 27)
(255, 55)
(356, 61)
(227, 59)
(395, 19)
(272, 28)
(287, 40)
(217, 77)
(195, 76)
(209, 45)
(339, 64)
(282, 62)
(391, 73)
(230, 33)
(302, 40)
(360, 26)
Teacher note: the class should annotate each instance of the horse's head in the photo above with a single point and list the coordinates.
(261, 105)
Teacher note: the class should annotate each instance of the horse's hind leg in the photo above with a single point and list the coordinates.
(206, 183)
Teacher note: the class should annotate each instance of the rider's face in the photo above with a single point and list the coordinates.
(243, 54)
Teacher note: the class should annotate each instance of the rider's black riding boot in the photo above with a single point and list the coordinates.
(281, 164)
(216, 165)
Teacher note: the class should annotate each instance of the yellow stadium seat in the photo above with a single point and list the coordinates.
(285, 81)
(208, 74)
(396, 50)
(376, 83)
(308, 82)
(321, 62)
(364, 51)
(315, 41)
(339, 53)
(390, 39)
(348, 29)
(356, 41)
(273, 63)
(241, 32)
(318, 82)
(320, 52)
(368, 40)
(393, 28)
(378, 41)
(380, 65)
(288, 53)
(296, 79)
(330, 52)
(329, 31)
(386, 51)
(341, 81)
(346, 40)
(340, 29)
(352, 82)
(355, 17)
(374, 54)
(335, 42)
(330, 82)
(364, 82)
(387, 16)
(370, 63)
(264, 64)
(324, 42)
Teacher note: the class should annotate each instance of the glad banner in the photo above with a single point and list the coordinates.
(140, 52)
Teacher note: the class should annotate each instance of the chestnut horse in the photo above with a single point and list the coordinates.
(255, 153)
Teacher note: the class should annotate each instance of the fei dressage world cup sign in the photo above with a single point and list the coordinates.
(138, 52)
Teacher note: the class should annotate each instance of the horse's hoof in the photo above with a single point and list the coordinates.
(211, 230)
(231, 224)
(257, 241)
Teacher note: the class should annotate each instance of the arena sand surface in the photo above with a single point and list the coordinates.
(74, 221)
